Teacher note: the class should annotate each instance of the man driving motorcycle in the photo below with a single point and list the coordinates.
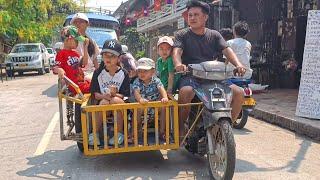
(197, 44)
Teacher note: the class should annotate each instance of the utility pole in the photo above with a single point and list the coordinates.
(318, 4)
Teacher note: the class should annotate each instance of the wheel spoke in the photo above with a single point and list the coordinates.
(218, 160)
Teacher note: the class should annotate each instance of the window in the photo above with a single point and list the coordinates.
(50, 51)
(25, 48)
(151, 2)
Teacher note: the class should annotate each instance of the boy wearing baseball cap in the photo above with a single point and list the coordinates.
(165, 67)
(110, 84)
(68, 61)
(147, 87)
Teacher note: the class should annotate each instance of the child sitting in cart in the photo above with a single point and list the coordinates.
(148, 87)
(110, 84)
(128, 62)
(68, 61)
(165, 67)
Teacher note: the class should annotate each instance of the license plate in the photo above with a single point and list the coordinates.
(22, 65)
(249, 102)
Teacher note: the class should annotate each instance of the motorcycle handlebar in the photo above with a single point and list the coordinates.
(183, 72)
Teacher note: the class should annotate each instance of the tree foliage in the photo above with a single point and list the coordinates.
(134, 40)
(33, 20)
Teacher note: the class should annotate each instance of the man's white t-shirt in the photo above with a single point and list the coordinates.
(89, 68)
(242, 49)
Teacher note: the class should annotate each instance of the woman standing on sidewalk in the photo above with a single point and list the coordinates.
(81, 21)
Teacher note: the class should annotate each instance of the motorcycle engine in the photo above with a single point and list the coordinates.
(197, 142)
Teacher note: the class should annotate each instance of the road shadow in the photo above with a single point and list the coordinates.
(295, 163)
(292, 166)
(24, 75)
(28, 74)
(51, 91)
(243, 131)
(246, 166)
(70, 164)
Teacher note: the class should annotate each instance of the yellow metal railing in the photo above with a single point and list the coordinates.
(148, 140)
(79, 99)
(150, 137)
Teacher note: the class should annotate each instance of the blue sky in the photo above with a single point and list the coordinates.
(107, 4)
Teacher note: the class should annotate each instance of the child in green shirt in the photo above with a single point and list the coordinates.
(165, 67)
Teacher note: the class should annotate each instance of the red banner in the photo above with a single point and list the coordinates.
(157, 5)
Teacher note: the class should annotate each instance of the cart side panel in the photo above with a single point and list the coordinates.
(149, 138)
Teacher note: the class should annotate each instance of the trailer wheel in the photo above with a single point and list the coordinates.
(77, 124)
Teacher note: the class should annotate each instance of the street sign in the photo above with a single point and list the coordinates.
(308, 104)
(181, 23)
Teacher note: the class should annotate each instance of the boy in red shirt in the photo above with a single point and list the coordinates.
(68, 62)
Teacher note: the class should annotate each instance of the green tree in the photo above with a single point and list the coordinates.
(134, 40)
(33, 20)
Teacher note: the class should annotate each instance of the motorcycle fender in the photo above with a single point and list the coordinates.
(211, 118)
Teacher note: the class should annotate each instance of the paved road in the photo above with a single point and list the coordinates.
(27, 110)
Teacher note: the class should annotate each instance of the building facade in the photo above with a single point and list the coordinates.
(278, 29)
(277, 33)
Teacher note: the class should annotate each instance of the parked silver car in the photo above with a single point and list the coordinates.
(52, 56)
(28, 57)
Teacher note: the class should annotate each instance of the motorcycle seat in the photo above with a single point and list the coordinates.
(240, 81)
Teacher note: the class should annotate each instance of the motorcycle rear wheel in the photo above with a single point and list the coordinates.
(242, 119)
(222, 162)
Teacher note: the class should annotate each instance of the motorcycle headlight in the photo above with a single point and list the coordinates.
(36, 57)
(217, 93)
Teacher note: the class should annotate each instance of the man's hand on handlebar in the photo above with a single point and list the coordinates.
(181, 68)
(239, 71)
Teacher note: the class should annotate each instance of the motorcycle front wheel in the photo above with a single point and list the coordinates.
(222, 157)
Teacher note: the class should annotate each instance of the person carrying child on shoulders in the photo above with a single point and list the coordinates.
(68, 61)
(148, 87)
(165, 67)
(110, 84)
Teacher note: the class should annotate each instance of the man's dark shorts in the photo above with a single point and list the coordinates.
(188, 80)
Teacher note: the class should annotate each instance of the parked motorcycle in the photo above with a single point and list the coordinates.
(210, 126)
(248, 104)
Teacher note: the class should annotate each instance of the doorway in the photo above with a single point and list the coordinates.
(300, 40)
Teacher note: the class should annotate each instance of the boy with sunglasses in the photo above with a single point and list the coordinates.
(68, 62)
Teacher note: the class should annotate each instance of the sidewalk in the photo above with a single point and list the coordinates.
(279, 107)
